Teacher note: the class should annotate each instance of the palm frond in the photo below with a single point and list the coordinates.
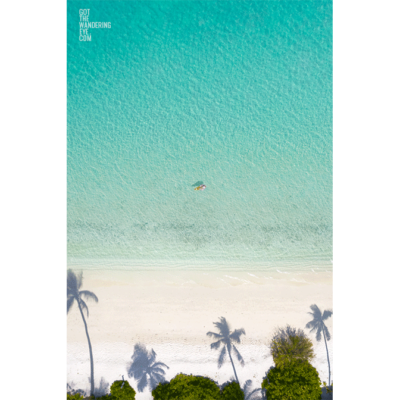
(327, 333)
(326, 314)
(216, 345)
(72, 287)
(139, 350)
(157, 377)
(142, 383)
(136, 371)
(316, 311)
(88, 295)
(70, 302)
(238, 355)
(235, 335)
(157, 370)
(221, 357)
(256, 394)
(131, 371)
(313, 325)
(153, 382)
(151, 356)
(247, 388)
(79, 279)
(159, 364)
(223, 326)
(214, 335)
(84, 307)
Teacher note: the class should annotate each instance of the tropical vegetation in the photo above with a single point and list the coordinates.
(290, 344)
(120, 390)
(293, 380)
(292, 377)
(232, 391)
(187, 387)
(76, 396)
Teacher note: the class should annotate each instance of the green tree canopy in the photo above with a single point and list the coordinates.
(122, 390)
(295, 380)
(232, 391)
(75, 396)
(187, 387)
(289, 344)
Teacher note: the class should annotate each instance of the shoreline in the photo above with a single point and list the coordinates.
(212, 279)
(171, 312)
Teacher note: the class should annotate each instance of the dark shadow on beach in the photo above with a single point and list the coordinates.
(75, 295)
(225, 338)
(144, 368)
(102, 389)
(326, 395)
(318, 326)
(71, 389)
(99, 391)
(253, 394)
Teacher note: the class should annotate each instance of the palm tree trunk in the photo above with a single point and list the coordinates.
(90, 352)
(327, 355)
(234, 370)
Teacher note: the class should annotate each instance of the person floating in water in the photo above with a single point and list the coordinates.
(201, 187)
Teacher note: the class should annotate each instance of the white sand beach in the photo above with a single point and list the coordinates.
(171, 312)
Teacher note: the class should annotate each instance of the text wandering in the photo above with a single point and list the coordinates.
(85, 25)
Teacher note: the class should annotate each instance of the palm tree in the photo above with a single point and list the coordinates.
(144, 368)
(317, 324)
(74, 283)
(256, 394)
(226, 337)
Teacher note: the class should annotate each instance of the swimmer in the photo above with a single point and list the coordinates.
(201, 187)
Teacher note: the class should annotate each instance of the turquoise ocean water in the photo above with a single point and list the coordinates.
(234, 94)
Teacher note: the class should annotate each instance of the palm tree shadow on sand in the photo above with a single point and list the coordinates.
(144, 368)
(99, 391)
(255, 394)
(102, 389)
(317, 325)
(74, 283)
(226, 338)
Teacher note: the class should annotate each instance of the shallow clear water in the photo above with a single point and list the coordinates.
(237, 95)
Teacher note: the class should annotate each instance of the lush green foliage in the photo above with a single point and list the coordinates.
(296, 380)
(187, 387)
(117, 393)
(290, 344)
(76, 396)
(232, 391)
(126, 392)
